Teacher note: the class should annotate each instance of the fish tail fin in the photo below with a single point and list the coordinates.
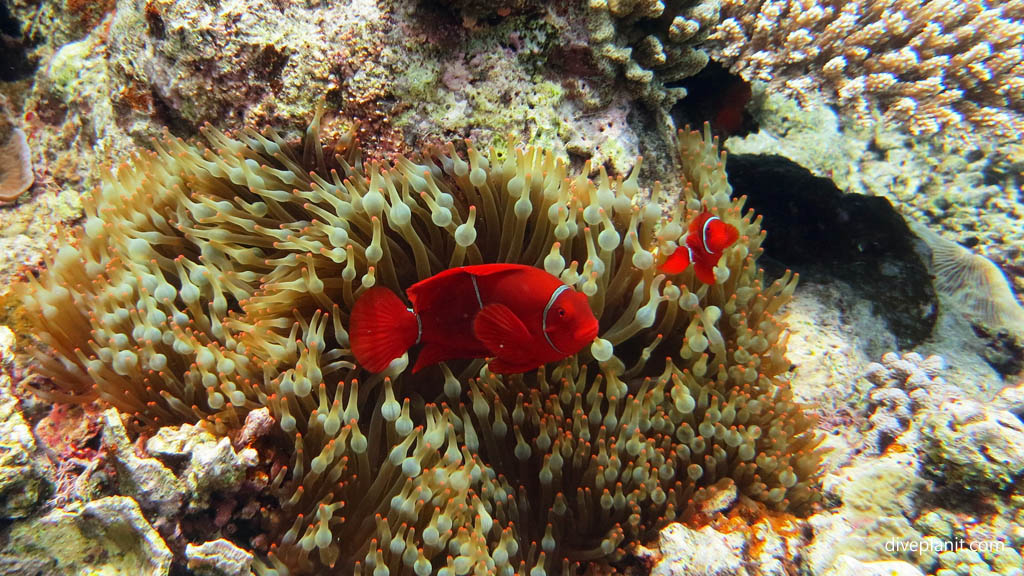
(381, 328)
(722, 236)
(677, 262)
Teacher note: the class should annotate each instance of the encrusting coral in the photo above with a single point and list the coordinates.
(209, 282)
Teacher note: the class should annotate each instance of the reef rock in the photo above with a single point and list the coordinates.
(769, 548)
(106, 536)
(218, 558)
(146, 480)
(844, 533)
(876, 488)
(973, 445)
(704, 552)
(23, 480)
(212, 464)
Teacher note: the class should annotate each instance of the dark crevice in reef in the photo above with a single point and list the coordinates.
(15, 62)
(716, 96)
(817, 230)
(167, 115)
(1002, 351)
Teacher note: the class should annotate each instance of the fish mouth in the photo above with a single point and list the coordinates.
(587, 334)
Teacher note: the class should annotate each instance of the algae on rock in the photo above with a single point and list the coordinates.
(105, 536)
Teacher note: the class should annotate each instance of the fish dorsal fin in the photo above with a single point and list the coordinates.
(501, 331)
(427, 293)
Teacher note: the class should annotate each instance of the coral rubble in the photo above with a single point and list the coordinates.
(208, 282)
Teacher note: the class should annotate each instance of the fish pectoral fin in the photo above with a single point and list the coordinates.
(502, 332)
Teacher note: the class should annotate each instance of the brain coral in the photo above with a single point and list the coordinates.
(209, 281)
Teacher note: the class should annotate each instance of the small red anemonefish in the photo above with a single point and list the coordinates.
(703, 245)
(520, 315)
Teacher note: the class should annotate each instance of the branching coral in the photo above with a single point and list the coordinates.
(931, 66)
(208, 282)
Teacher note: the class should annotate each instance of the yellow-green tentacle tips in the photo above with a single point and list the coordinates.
(210, 281)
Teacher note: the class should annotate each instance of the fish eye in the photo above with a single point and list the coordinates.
(561, 312)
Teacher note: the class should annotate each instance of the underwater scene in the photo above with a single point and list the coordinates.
(511, 287)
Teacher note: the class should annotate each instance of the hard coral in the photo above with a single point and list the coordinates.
(652, 43)
(944, 67)
(211, 281)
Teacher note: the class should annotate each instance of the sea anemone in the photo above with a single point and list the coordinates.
(209, 281)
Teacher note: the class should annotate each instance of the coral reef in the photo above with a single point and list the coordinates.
(205, 293)
(473, 10)
(651, 44)
(105, 536)
(974, 446)
(254, 59)
(947, 67)
(154, 65)
(901, 387)
(218, 558)
(208, 282)
(23, 483)
(967, 196)
(931, 466)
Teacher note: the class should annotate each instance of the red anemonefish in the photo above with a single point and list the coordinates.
(520, 315)
(704, 243)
